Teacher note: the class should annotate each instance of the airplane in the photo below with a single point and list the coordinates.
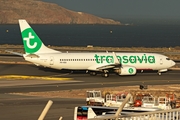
(92, 112)
(122, 63)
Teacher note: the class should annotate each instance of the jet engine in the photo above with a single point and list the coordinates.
(126, 70)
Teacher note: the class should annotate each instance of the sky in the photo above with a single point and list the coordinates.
(166, 10)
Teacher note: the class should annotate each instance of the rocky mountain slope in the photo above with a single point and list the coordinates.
(39, 12)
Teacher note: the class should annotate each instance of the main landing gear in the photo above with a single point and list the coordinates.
(105, 73)
(93, 73)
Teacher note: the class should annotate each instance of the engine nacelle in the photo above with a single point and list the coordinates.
(126, 70)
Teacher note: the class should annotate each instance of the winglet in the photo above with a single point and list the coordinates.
(15, 53)
(116, 61)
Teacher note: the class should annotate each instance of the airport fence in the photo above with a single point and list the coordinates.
(172, 114)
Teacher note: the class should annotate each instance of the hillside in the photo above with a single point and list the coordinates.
(38, 12)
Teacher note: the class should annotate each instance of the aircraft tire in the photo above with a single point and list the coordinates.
(93, 73)
(105, 75)
(159, 73)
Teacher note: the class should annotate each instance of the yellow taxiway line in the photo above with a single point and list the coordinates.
(23, 77)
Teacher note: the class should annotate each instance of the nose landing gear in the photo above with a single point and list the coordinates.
(159, 73)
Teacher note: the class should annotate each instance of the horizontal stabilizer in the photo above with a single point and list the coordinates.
(15, 53)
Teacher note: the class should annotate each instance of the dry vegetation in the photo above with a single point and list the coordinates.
(38, 12)
(155, 90)
(172, 52)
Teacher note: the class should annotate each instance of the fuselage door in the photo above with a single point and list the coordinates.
(51, 60)
(161, 61)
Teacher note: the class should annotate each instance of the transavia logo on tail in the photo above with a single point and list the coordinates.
(31, 41)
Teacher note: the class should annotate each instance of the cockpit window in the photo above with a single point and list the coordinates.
(167, 58)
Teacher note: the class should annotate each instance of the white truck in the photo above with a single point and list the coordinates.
(116, 100)
(94, 98)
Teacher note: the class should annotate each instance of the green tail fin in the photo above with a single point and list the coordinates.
(32, 43)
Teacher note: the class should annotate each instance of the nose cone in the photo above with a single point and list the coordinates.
(172, 63)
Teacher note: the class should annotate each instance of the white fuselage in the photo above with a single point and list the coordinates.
(85, 61)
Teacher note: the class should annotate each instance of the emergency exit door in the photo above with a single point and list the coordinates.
(51, 60)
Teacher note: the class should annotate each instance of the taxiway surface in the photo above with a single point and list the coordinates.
(27, 107)
(78, 80)
(16, 107)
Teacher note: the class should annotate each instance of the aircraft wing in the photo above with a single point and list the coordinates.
(104, 66)
(108, 66)
(16, 53)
